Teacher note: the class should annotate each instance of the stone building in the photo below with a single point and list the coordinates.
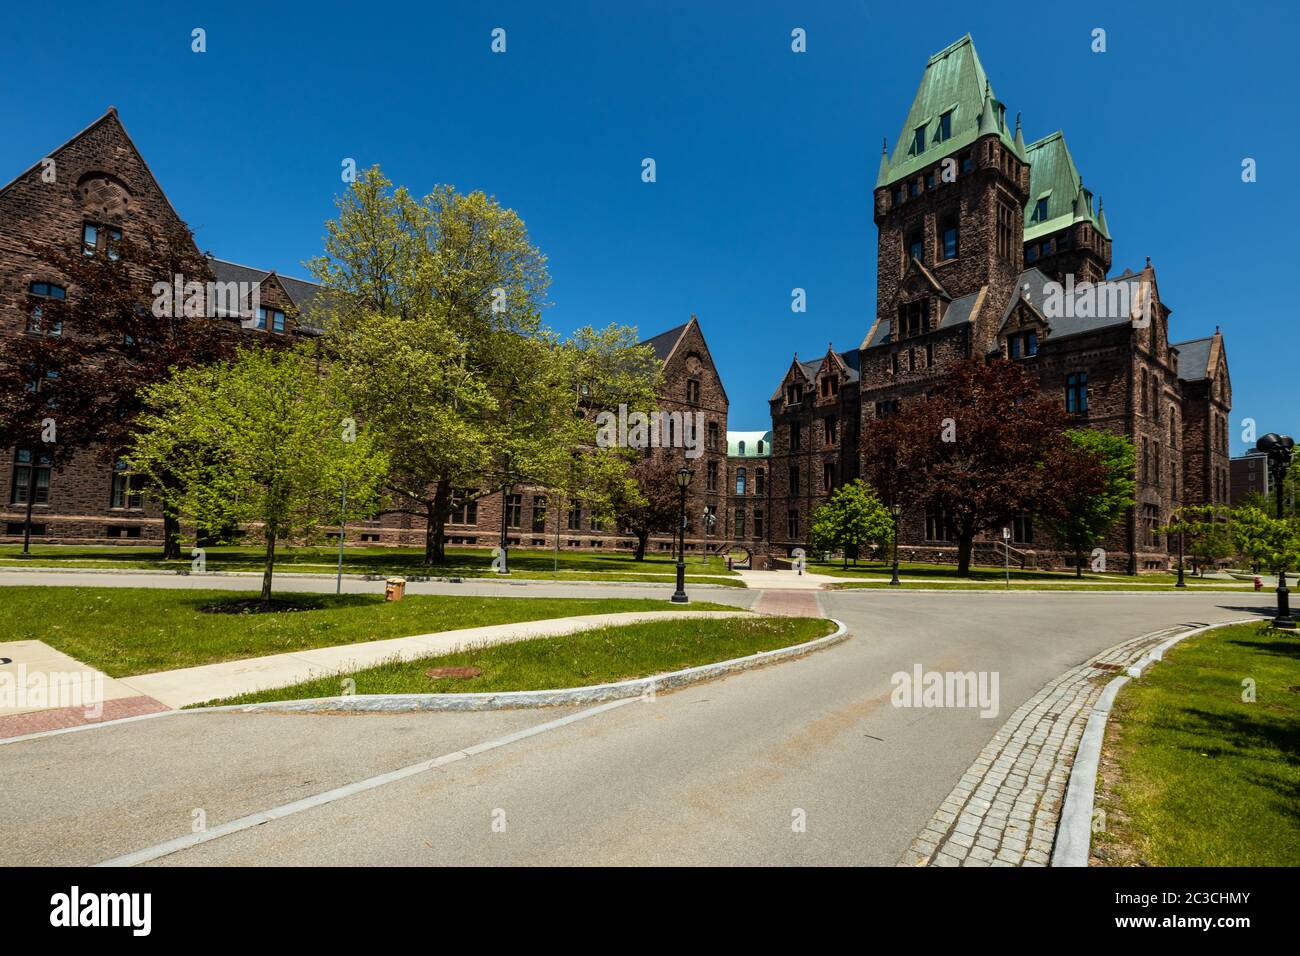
(992, 246)
(95, 189)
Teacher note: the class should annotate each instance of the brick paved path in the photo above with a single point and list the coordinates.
(788, 603)
(1004, 810)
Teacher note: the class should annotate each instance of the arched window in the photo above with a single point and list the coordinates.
(741, 449)
(740, 480)
(760, 446)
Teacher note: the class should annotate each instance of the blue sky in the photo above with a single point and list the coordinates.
(765, 158)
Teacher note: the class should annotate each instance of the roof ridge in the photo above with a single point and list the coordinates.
(954, 45)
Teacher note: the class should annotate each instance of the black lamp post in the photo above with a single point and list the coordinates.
(1181, 583)
(683, 479)
(896, 510)
(1278, 448)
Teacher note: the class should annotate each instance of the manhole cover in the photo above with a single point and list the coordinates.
(434, 673)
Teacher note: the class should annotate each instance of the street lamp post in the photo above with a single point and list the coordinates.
(896, 510)
(1181, 583)
(683, 479)
(1278, 448)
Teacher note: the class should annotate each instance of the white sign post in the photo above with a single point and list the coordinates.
(1006, 554)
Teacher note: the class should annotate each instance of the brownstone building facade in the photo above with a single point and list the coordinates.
(989, 246)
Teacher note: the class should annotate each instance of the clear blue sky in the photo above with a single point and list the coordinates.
(766, 159)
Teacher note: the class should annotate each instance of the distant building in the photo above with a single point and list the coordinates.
(1249, 475)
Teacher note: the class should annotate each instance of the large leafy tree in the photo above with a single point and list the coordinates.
(267, 440)
(974, 449)
(1091, 473)
(852, 517)
(433, 309)
(91, 351)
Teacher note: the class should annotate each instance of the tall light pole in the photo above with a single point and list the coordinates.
(896, 510)
(1278, 448)
(683, 480)
(343, 527)
(1181, 583)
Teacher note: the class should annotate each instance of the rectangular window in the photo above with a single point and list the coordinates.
(918, 141)
(758, 482)
(831, 427)
(126, 488)
(916, 245)
(1013, 346)
(828, 477)
(794, 394)
(1031, 343)
(796, 436)
(1006, 230)
(950, 239)
(758, 523)
(1022, 528)
(914, 188)
(29, 470)
(739, 530)
(692, 391)
(712, 435)
(1040, 211)
(539, 513)
(273, 318)
(913, 319)
(514, 510)
(944, 132)
(41, 293)
(575, 518)
(1151, 518)
(967, 163)
(1076, 392)
(792, 524)
(712, 473)
(938, 526)
(794, 479)
(464, 512)
(899, 195)
(95, 237)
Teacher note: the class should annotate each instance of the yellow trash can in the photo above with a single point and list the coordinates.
(394, 589)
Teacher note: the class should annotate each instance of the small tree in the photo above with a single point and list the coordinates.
(1266, 542)
(849, 519)
(266, 440)
(649, 502)
(1091, 477)
(1207, 537)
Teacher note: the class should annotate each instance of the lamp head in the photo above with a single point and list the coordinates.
(683, 477)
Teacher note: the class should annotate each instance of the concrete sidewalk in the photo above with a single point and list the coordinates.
(193, 685)
(786, 580)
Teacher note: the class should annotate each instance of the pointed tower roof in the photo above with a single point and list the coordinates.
(954, 83)
(1101, 220)
(1054, 177)
(883, 173)
(1020, 137)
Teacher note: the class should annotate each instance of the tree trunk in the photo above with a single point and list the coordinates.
(270, 564)
(171, 534)
(435, 532)
(642, 537)
(1078, 563)
(31, 498)
(965, 542)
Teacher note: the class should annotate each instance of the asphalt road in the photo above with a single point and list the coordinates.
(719, 773)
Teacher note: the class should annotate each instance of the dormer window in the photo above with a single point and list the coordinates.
(741, 448)
(944, 132)
(1022, 345)
(793, 394)
(830, 386)
(918, 142)
(272, 318)
(760, 451)
(914, 318)
(1040, 211)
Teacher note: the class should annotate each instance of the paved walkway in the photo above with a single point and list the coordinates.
(786, 580)
(1005, 809)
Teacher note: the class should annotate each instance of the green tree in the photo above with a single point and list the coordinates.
(1265, 541)
(849, 519)
(267, 440)
(433, 307)
(1207, 534)
(1091, 477)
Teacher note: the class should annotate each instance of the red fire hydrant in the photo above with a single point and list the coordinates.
(1259, 582)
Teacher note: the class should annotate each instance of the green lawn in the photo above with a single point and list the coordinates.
(125, 631)
(575, 660)
(1194, 776)
(525, 563)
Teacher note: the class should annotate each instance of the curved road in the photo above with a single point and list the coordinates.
(719, 773)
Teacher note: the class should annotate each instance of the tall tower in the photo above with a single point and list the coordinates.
(949, 205)
(1064, 234)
